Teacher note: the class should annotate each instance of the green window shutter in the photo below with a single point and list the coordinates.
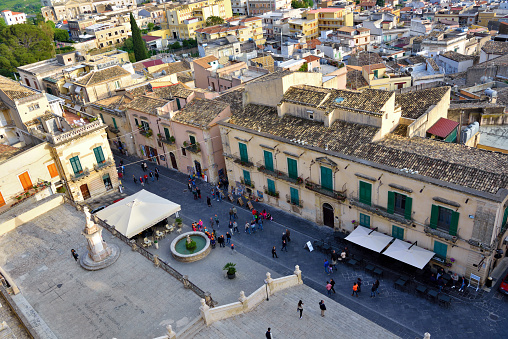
(397, 232)
(99, 155)
(295, 198)
(505, 216)
(268, 160)
(454, 223)
(391, 202)
(364, 220)
(271, 186)
(114, 123)
(244, 156)
(192, 139)
(409, 208)
(292, 168)
(166, 133)
(246, 177)
(440, 249)
(102, 118)
(433, 216)
(135, 120)
(326, 178)
(365, 192)
(76, 165)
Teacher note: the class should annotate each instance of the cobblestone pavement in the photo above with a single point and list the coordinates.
(403, 314)
(16, 329)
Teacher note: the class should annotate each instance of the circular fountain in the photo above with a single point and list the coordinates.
(180, 251)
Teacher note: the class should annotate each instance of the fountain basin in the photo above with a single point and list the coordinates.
(180, 252)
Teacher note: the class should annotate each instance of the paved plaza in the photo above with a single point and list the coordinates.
(404, 314)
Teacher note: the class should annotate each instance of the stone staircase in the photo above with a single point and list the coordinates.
(192, 328)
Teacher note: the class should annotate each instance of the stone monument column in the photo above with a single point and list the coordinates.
(99, 254)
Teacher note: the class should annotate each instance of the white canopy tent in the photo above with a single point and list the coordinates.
(409, 253)
(137, 212)
(368, 238)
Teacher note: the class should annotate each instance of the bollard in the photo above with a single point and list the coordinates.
(185, 281)
(171, 334)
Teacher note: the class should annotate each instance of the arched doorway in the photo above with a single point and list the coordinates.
(173, 160)
(197, 166)
(328, 215)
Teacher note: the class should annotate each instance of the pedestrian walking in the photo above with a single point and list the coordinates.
(208, 202)
(260, 224)
(268, 333)
(373, 290)
(141, 181)
(235, 227)
(198, 191)
(231, 214)
(156, 170)
(234, 213)
(288, 233)
(330, 268)
(157, 174)
(200, 224)
(195, 193)
(247, 227)
(333, 258)
(462, 284)
(326, 264)
(332, 282)
(253, 226)
(152, 176)
(145, 177)
(217, 220)
(134, 179)
(328, 288)
(232, 248)
(231, 227)
(299, 308)
(284, 246)
(228, 237)
(322, 307)
(284, 236)
(143, 166)
(74, 254)
(359, 283)
(355, 290)
(274, 252)
(123, 169)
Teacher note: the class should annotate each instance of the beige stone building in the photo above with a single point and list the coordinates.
(347, 158)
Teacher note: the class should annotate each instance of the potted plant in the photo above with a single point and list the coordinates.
(171, 139)
(178, 222)
(231, 270)
(156, 244)
(185, 144)
(299, 180)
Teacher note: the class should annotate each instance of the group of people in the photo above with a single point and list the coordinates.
(286, 237)
(437, 279)
(144, 179)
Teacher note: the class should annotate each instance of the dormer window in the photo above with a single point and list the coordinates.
(311, 115)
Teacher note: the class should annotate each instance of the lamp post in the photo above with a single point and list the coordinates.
(266, 285)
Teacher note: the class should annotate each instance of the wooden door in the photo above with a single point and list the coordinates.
(328, 215)
(84, 191)
(25, 181)
(173, 160)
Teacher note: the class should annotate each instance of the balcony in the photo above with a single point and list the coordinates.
(279, 174)
(146, 133)
(78, 176)
(274, 194)
(378, 210)
(289, 201)
(102, 165)
(169, 141)
(243, 162)
(250, 183)
(339, 195)
(194, 148)
(114, 130)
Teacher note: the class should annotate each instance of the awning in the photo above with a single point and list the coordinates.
(78, 89)
(368, 238)
(137, 212)
(67, 85)
(416, 256)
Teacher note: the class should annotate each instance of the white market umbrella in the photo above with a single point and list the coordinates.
(409, 253)
(137, 212)
(368, 238)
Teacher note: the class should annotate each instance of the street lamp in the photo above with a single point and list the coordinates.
(266, 285)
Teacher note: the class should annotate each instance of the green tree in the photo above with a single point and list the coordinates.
(150, 26)
(175, 45)
(128, 45)
(214, 20)
(24, 44)
(380, 3)
(51, 23)
(302, 3)
(304, 68)
(139, 46)
(61, 35)
(2, 23)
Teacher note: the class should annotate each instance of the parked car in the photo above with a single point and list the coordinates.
(503, 288)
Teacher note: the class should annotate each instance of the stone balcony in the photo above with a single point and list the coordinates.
(81, 175)
(338, 195)
(107, 163)
(194, 148)
(237, 159)
(378, 210)
(278, 174)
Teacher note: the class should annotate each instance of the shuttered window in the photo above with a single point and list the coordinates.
(268, 160)
(326, 178)
(444, 219)
(365, 192)
(246, 177)
(295, 197)
(25, 181)
(292, 168)
(271, 186)
(244, 156)
(364, 220)
(76, 165)
(52, 170)
(397, 232)
(99, 155)
(440, 249)
(399, 204)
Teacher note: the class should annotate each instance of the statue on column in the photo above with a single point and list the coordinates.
(99, 254)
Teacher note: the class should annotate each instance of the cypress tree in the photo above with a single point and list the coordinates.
(140, 51)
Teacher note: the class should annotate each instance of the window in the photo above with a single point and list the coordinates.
(326, 178)
(117, 84)
(397, 232)
(192, 139)
(114, 123)
(295, 197)
(440, 249)
(2, 201)
(144, 125)
(184, 153)
(244, 156)
(33, 107)
(311, 115)
(365, 192)
(99, 155)
(364, 220)
(375, 74)
(292, 168)
(505, 216)
(246, 177)
(52, 170)
(178, 104)
(102, 118)
(268, 160)
(166, 133)
(271, 186)
(135, 121)
(399, 204)
(444, 219)
(25, 181)
(76, 165)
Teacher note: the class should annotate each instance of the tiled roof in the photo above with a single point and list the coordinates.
(311, 58)
(370, 68)
(204, 62)
(146, 104)
(184, 77)
(443, 127)
(151, 63)
(7, 152)
(368, 58)
(168, 92)
(148, 38)
(327, 99)
(453, 163)
(176, 67)
(496, 47)
(114, 102)
(416, 103)
(272, 76)
(417, 59)
(106, 74)
(433, 64)
(457, 56)
(139, 90)
(219, 29)
(200, 113)
(14, 90)
(234, 98)
(355, 79)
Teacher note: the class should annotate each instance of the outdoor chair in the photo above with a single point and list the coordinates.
(444, 300)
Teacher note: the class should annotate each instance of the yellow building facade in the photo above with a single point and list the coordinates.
(305, 27)
(330, 18)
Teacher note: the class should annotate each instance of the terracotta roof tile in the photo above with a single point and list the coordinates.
(106, 74)
(443, 127)
(496, 47)
(200, 113)
(416, 103)
(146, 104)
(204, 62)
